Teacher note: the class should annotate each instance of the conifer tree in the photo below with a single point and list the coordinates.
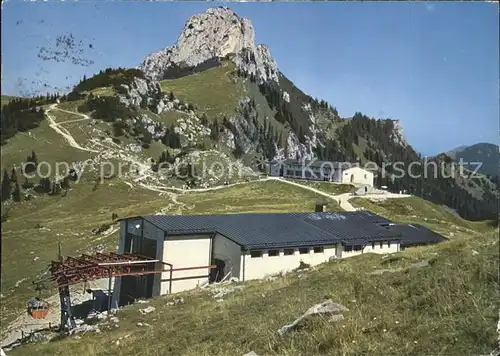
(6, 187)
(16, 194)
(13, 175)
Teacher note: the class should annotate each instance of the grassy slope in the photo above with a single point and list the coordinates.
(5, 99)
(212, 91)
(71, 219)
(48, 145)
(448, 308)
(330, 188)
(270, 196)
(418, 211)
(105, 91)
(68, 219)
(425, 301)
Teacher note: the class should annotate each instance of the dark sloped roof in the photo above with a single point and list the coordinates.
(257, 230)
(414, 234)
(358, 242)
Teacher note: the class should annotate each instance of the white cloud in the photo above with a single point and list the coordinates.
(430, 6)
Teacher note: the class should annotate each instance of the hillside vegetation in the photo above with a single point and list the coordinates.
(131, 145)
(215, 91)
(449, 307)
(5, 99)
(487, 154)
(32, 229)
(415, 210)
(227, 110)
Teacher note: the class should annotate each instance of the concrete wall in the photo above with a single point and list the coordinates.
(186, 251)
(229, 252)
(259, 267)
(337, 176)
(365, 189)
(385, 248)
(359, 176)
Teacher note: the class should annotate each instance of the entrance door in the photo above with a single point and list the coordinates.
(138, 287)
(217, 273)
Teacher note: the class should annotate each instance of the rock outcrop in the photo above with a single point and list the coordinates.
(397, 134)
(213, 35)
(144, 93)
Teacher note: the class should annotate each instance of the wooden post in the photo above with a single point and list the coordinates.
(109, 294)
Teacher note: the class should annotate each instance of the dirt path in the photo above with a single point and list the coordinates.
(62, 131)
(200, 190)
(143, 168)
(22, 323)
(25, 324)
(343, 199)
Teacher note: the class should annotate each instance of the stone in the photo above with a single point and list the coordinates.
(176, 301)
(420, 264)
(84, 329)
(39, 337)
(328, 307)
(147, 310)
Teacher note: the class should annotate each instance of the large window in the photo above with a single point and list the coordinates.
(273, 253)
(134, 227)
(289, 251)
(255, 253)
(348, 248)
(304, 250)
(318, 249)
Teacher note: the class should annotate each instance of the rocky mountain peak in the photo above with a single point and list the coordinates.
(217, 33)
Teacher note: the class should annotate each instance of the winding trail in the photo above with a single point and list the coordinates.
(341, 199)
(62, 131)
(143, 168)
(200, 190)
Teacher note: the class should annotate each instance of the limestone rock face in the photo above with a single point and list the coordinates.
(217, 33)
(138, 90)
(397, 134)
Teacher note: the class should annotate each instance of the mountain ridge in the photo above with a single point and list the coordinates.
(226, 99)
(485, 153)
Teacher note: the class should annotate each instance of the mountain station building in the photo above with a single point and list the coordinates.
(336, 172)
(195, 250)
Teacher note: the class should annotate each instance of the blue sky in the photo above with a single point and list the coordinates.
(434, 66)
